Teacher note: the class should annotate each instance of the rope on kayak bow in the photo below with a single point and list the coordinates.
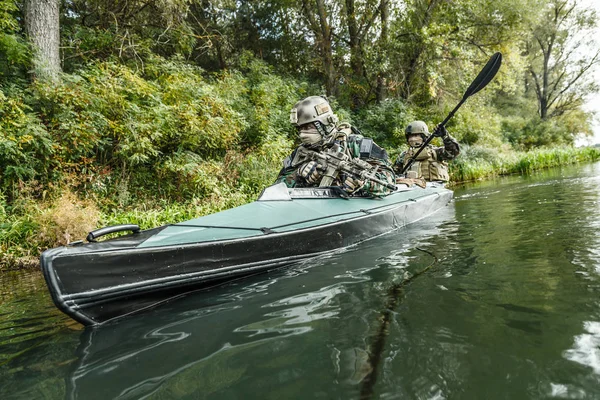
(267, 230)
(270, 230)
(376, 353)
(243, 228)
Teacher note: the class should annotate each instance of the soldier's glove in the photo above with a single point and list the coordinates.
(310, 172)
(351, 184)
(440, 131)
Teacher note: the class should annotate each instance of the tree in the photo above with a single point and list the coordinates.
(134, 31)
(559, 58)
(42, 27)
(318, 17)
(384, 10)
(360, 19)
(14, 51)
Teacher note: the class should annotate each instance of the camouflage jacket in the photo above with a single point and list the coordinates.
(356, 147)
(431, 164)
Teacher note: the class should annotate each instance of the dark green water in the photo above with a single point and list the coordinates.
(510, 310)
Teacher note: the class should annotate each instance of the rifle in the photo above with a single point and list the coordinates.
(334, 161)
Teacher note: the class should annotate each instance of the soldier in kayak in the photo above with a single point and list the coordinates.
(431, 164)
(319, 131)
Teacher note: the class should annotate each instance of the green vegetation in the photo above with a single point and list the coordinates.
(167, 110)
(479, 162)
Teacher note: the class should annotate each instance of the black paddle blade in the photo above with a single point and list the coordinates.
(485, 76)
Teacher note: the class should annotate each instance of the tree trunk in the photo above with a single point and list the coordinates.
(414, 58)
(322, 32)
(383, 43)
(356, 53)
(42, 27)
(326, 46)
(356, 56)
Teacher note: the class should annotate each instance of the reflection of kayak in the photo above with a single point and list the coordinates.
(98, 281)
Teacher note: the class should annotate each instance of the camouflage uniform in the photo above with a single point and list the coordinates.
(431, 164)
(290, 175)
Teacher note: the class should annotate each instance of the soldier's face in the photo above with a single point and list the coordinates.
(309, 134)
(415, 140)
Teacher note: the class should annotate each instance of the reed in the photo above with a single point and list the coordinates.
(477, 163)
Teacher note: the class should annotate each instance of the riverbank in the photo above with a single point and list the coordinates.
(33, 223)
(476, 163)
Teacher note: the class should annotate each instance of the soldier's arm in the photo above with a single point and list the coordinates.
(384, 173)
(399, 164)
(288, 173)
(450, 150)
(290, 178)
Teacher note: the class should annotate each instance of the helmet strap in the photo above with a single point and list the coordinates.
(321, 129)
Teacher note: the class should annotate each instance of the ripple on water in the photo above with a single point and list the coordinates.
(299, 313)
(586, 349)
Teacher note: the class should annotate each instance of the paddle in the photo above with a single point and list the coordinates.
(485, 76)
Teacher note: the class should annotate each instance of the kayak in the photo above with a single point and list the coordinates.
(99, 281)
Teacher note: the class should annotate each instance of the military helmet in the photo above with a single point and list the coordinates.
(415, 128)
(313, 109)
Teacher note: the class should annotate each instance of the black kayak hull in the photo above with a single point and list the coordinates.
(98, 282)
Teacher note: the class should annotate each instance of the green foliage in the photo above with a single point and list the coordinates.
(477, 162)
(111, 114)
(385, 122)
(14, 52)
(560, 49)
(131, 31)
(477, 123)
(18, 230)
(528, 133)
(25, 145)
(270, 98)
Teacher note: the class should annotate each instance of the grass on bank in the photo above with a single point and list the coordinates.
(33, 224)
(477, 163)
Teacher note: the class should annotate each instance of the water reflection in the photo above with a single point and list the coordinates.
(36, 340)
(514, 299)
(586, 349)
(509, 311)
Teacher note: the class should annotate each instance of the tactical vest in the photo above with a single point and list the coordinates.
(366, 148)
(427, 166)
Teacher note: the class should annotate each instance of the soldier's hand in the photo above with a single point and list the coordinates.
(440, 131)
(351, 184)
(310, 172)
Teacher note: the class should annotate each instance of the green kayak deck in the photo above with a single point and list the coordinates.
(277, 216)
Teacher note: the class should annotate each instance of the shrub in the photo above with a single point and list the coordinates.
(385, 123)
(65, 219)
(25, 145)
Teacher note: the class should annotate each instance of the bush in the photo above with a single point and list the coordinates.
(385, 122)
(25, 145)
(66, 219)
(526, 133)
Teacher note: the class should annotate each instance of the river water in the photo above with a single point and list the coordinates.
(492, 297)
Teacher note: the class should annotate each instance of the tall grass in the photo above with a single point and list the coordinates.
(477, 163)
